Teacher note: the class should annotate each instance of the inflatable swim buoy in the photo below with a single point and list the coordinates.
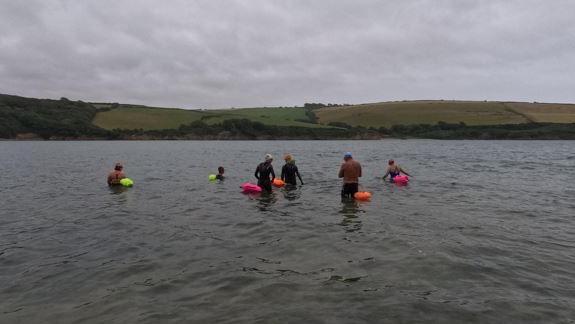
(401, 179)
(127, 182)
(212, 177)
(250, 188)
(362, 195)
(278, 183)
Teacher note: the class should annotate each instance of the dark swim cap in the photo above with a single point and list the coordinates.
(118, 166)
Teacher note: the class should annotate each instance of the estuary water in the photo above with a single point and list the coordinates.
(484, 233)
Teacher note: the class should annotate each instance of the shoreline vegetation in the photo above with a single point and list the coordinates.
(46, 119)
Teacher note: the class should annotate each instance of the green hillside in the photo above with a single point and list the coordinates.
(376, 115)
(46, 118)
(147, 118)
(388, 114)
(151, 118)
(275, 116)
(30, 118)
(545, 113)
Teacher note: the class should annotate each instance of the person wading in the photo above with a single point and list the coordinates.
(115, 176)
(290, 171)
(263, 173)
(220, 175)
(350, 171)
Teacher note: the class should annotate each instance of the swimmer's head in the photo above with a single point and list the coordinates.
(390, 162)
(288, 157)
(347, 156)
(221, 170)
(269, 157)
(118, 167)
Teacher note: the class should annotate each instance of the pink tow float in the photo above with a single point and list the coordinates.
(401, 179)
(250, 188)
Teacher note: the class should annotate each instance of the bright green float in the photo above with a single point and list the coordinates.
(212, 177)
(127, 182)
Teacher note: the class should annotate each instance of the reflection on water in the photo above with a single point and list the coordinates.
(291, 192)
(267, 200)
(350, 210)
(115, 190)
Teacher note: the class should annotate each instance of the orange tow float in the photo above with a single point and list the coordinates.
(278, 183)
(362, 195)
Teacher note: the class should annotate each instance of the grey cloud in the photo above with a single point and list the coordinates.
(220, 53)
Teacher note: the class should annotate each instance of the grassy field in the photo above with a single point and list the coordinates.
(270, 116)
(147, 118)
(421, 112)
(376, 115)
(430, 112)
(150, 118)
(545, 113)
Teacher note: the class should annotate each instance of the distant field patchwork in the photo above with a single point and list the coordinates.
(430, 112)
(404, 113)
(545, 113)
(376, 115)
(270, 116)
(147, 118)
(150, 118)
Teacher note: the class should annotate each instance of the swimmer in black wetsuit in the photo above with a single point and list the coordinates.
(393, 170)
(263, 172)
(220, 175)
(290, 171)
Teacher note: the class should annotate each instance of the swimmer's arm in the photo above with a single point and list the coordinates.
(257, 174)
(340, 175)
(359, 170)
(283, 173)
(386, 174)
(297, 173)
(400, 169)
(273, 174)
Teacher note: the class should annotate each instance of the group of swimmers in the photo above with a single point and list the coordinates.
(266, 175)
(350, 171)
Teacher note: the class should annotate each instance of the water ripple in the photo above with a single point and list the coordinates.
(477, 236)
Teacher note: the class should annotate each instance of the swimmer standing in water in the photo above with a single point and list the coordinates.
(350, 171)
(115, 176)
(263, 173)
(290, 171)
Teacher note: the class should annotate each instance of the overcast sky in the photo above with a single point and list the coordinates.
(225, 53)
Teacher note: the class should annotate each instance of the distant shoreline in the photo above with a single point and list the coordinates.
(27, 119)
(237, 139)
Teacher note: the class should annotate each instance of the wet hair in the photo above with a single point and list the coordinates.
(221, 169)
(118, 167)
(390, 162)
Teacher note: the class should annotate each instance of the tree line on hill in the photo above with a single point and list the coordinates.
(313, 105)
(443, 130)
(247, 129)
(66, 119)
(47, 118)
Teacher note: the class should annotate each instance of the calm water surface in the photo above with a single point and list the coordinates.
(485, 233)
